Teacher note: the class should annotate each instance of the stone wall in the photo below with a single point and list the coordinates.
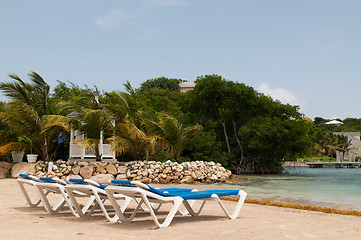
(144, 171)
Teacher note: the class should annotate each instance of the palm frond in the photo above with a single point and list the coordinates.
(88, 143)
(14, 146)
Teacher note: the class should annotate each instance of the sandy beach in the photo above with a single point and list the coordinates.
(18, 221)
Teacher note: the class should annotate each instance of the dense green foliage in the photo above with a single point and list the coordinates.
(30, 115)
(219, 120)
(256, 132)
(164, 83)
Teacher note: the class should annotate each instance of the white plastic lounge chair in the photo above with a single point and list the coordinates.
(25, 179)
(147, 195)
(93, 190)
(57, 186)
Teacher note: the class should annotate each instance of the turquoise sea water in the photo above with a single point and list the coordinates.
(327, 187)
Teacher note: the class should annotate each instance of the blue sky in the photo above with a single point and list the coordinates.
(304, 52)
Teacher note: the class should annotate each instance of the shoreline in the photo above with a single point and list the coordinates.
(313, 208)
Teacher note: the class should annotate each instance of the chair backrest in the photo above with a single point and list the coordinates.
(87, 182)
(53, 180)
(128, 183)
(28, 177)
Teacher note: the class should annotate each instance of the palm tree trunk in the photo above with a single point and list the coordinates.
(177, 156)
(44, 149)
(97, 153)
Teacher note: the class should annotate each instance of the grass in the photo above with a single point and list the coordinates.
(318, 158)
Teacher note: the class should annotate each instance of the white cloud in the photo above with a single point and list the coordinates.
(164, 3)
(115, 17)
(281, 94)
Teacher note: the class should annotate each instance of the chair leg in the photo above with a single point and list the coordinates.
(176, 204)
(237, 209)
(102, 207)
(189, 206)
(76, 209)
(119, 210)
(26, 195)
(43, 192)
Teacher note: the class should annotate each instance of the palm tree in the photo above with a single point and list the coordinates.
(125, 106)
(92, 124)
(343, 144)
(172, 134)
(29, 114)
(131, 139)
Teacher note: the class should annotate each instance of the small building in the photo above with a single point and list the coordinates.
(186, 86)
(80, 152)
(354, 137)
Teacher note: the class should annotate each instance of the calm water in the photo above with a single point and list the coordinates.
(328, 187)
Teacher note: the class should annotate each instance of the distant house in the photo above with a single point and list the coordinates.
(186, 86)
(354, 137)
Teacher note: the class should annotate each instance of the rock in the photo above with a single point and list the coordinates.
(163, 181)
(55, 169)
(145, 180)
(23, 167)
(70, 163)
(122, 169)
(4, 168)
(111, 169)
(144, 173)
(65, 171)
(168, 178)
(83, 164)
(75, 170)
(50, 174)
(40, 174)
(162, 175)
(3, 173)
(38, 167)
(133, 175)
(137, 178)
(187, 180)
(74, 177)
(121, 176)
(100, 168)
(103, 178)
(86, 172)
(59, 175)
(60, 162)
(5, 165)
(167, 170)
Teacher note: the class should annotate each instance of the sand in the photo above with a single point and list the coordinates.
(18, 221)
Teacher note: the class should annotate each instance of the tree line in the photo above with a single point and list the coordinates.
(219, 120)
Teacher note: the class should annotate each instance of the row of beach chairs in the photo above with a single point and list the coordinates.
(84, 196)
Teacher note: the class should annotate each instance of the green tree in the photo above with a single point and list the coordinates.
(172, 133)
(160, 100)
(130, 139)
(30, 113)
(234, 110)
(170, 84)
